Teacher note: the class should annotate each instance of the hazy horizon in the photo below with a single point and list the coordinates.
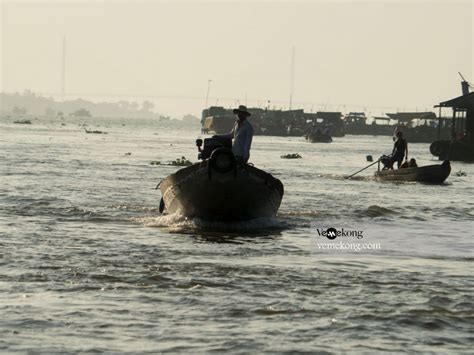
(349, 55)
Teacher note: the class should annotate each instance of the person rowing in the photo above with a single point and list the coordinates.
(400, 150)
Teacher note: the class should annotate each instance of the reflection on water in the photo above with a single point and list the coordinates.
(89, 264)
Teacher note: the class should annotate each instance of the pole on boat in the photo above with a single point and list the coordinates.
(292, 77)
(63, 71)
(208, 88)
(368, 166)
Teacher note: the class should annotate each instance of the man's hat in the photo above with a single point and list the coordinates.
(242, 109)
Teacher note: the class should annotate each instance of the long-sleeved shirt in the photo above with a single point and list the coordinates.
(242, 134)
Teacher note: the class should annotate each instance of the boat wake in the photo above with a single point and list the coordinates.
(177, 223)
(347, 177)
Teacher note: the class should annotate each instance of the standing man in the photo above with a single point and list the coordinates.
(400, 150)
(242, 133)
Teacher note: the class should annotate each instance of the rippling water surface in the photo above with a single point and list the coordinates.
(87, 263)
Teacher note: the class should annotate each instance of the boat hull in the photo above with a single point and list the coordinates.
(453, 150)
(431, 174)
(241, 194)
(319, 138)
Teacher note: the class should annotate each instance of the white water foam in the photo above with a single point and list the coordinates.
(177, 222)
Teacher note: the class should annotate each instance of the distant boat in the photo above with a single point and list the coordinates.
(318, 137)
(432, 174)
(221, 189)
(272, 122)
(22, 122)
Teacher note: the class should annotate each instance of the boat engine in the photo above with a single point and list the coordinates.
(385, 160)
(211, 144)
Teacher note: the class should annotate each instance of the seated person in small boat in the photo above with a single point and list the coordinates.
(412, 163)
(400, 150)
(242, 133)
(409, 164)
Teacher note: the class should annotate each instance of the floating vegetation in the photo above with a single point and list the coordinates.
(94, 132)
(22, 122)
(178, 162)
(291, 156)
(460, 173)
(181, 162)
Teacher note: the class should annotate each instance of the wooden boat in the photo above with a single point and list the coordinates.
(457, 150)
(432, 174)
(221, 189)
(318, 137)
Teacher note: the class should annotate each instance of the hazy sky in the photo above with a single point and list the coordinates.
(381, 55)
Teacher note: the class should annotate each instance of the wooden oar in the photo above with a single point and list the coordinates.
(357, 172)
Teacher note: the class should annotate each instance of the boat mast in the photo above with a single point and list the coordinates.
(464, 85)
(292, 77)
(208, 88)
(63, 70)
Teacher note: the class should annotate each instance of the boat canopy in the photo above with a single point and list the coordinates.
(409, 116)
(460, 102)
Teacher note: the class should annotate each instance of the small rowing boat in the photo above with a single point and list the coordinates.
(431, 174)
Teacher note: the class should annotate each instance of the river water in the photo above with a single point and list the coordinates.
(88, 264)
